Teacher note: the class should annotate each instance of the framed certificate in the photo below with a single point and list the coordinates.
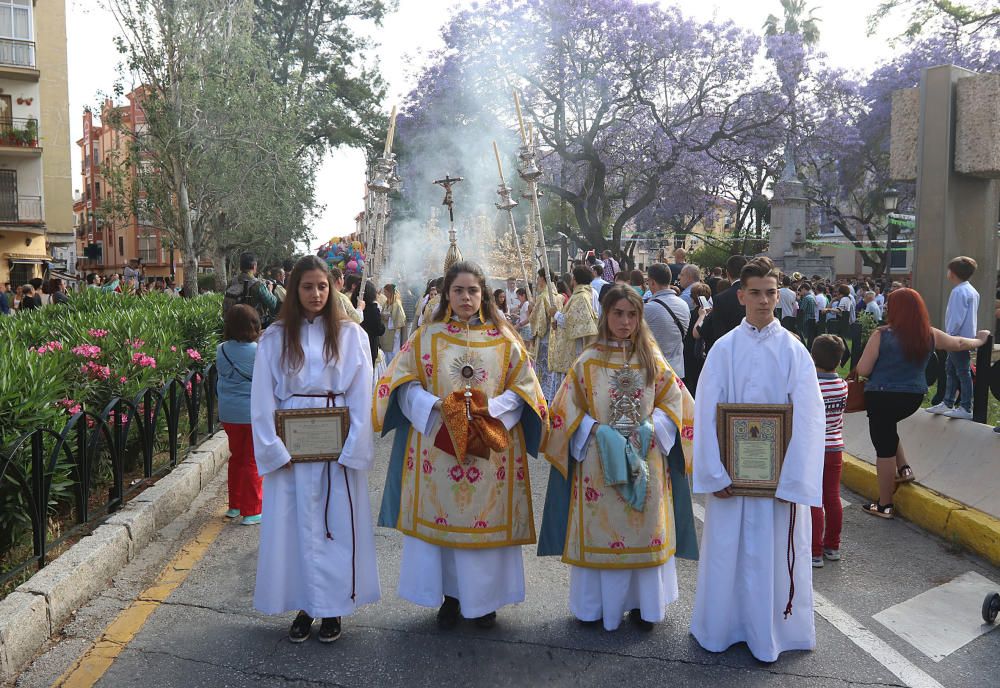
(753, 439)
(313, 434)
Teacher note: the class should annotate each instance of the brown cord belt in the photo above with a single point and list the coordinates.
(331, 403)
(790, 558)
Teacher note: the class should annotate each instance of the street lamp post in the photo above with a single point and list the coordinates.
(890, 201)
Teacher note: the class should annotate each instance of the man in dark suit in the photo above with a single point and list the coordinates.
(727, 311)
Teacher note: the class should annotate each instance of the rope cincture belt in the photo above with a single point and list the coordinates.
(332, 403)
(790, 558)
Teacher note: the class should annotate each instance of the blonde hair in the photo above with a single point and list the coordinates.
(642, 339)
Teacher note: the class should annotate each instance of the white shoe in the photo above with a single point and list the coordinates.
(958, 412)
(939, 409)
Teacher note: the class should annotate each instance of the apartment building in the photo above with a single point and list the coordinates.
(35, 184)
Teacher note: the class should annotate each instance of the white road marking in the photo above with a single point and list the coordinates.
(943, 619)
(876, 648)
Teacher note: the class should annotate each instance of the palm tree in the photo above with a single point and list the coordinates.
(797, 21)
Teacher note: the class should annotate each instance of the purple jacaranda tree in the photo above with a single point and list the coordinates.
(628, 102)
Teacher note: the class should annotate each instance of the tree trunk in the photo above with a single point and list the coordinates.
(188, 245)
(220, 266)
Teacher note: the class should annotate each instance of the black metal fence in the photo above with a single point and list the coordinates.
(92, 446)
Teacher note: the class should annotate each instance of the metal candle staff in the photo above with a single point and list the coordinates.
(508, 204)
(380, 185)
(454, 255)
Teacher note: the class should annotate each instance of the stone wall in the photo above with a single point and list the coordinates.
(977, 126)
(904, 134)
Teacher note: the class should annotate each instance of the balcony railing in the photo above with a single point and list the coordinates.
(27, 210)
(19, 131)
(17, 53)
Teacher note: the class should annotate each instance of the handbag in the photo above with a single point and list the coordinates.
(855, 393)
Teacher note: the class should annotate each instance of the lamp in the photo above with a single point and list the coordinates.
(890, 199)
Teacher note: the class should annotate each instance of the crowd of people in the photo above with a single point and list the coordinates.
(615, 378)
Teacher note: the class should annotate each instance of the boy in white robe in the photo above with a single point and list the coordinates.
(744, 589)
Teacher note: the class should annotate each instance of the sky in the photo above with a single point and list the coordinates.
(406, 38)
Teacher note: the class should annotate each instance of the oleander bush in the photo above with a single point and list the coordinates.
(61, 358)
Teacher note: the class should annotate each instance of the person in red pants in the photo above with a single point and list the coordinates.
(827, 521)
(234, 362)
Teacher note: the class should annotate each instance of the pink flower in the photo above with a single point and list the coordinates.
(123, 379)
(687, 432)
(429, 370)
(680, 382)
(493, 332)
(426, 357)
(441, 521)
(383, 391)
(542, 412)
(173, 348)
(557, 421)
(591, 495)
(481, 524)
(656, 542)
(93, 370)
(87, 351)
(617, 544)
(456, 473)
(143, 360)
(409, 463)
(473, 475)
(135, 343)
(453, 328)
(519, 474)
(97, 334)
(427, 467)
(47, 347)
(193, 355)
(502, 473)
(187, 388)
(406, 347)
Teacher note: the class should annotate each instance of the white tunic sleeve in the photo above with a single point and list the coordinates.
(417, 404)
(355, 354)
(801, 480)
(709, 473)
(664, 430)
(506, 408)
(580, 441)
(269, 450)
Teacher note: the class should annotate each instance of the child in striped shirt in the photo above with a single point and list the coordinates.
(827, 351)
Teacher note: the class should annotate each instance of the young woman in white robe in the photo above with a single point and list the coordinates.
(317, 542)
(744, 586)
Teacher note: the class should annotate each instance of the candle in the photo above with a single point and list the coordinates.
(531, 137)
(496, 152)
(392, 132)
(520, 119)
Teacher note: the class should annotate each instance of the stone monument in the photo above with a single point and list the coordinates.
(787, 245)
(945, 135)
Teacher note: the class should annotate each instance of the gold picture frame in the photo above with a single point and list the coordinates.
(313, 434)
(753, 439)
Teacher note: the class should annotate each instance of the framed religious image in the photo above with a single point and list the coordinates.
(753, 439)
(313, 434)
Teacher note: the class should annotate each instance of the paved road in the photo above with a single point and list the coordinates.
(207, 634)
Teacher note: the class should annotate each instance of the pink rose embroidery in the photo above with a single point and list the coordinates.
(655, 542)
(481, 524)
(429, 370)
(441, 521)
(502, 473)
(687, 432)
(406, 347)
(542, 412)
(426, 357)
(591, 495)
(520, 473)
(428, 467)
(473, 475)
(493, 332)
(453, 328)
(383, 391)
(456, 473)
(617, 544)
(557, 421)
(409, 463)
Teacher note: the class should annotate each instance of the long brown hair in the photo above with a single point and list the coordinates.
(909, 321)
(642, 339)
(488, 307)
(292, 314)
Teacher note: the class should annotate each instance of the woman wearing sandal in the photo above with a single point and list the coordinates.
(894, 361)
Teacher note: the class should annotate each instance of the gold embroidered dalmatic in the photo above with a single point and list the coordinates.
(542, 312)
(485, 502)
(603, 530)
(345, 305)
(580, 324)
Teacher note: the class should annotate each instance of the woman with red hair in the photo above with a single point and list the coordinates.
(894, 361)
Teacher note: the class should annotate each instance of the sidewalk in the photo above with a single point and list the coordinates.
(957, 464)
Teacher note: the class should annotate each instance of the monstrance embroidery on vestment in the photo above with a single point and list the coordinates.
(626, 397)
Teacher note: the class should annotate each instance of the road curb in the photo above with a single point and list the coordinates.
(971, 528)
(38, 607)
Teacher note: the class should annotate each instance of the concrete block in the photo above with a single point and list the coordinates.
(24, 627)
(139, 518)
(904, 132)
(173, 493)
(978, 531)
(80, 573)
(206, 463)
(977, 123)
(925, 508)
(218, 444)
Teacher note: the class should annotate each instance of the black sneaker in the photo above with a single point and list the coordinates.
(448, 613)
(301, 628)
(486, 620)
(329, 630)
(635, 616)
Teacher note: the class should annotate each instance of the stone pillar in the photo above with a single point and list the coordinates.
(956, 213)
(788, 214)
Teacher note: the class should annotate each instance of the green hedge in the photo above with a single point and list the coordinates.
(40, 381)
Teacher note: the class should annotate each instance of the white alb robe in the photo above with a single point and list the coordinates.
(742, 573)
(298, 567)
(606, 594)
(482, 580)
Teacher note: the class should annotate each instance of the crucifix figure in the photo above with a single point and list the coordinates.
(454, 255)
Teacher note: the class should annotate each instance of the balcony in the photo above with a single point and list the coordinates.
(19, 136)
(17, 60)
(26, 210)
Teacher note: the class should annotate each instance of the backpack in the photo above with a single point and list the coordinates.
(242, 291)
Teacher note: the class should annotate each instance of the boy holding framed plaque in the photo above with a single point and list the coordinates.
(311, 404)
(758, 458)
